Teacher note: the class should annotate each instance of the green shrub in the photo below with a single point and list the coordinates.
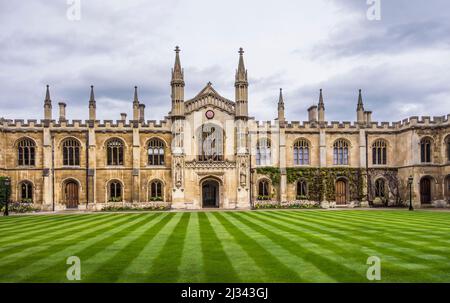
(133, 208)
(18, 207)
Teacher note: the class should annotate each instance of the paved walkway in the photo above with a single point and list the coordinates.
(229, 210)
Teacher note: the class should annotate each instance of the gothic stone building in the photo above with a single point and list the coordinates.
(209, 153)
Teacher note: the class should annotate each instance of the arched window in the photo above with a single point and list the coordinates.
(210, 143)
(425, 150)
(263, 190)
(380, 191)
(447, 144)
(156, 193)
(26, 152)
(71, 152)
(340, 152)
(115, 191)
(302, 190)
(155, 152)
(263, 152)
(115, 152)
(26, 192)
(301, 152)
(379, 152)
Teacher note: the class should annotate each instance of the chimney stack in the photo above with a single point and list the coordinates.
(368, 117)
(123, 116)
(312, 113)
(62, 111)
(142, 112)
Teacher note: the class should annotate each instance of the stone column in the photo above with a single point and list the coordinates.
(92, 192)
(178, 198)
(362, 165)
(242, 165)
(322, 149)
(136, 166)
(282, 164)
(47, 164)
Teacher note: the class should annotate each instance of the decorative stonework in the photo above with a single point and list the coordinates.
(210, 165)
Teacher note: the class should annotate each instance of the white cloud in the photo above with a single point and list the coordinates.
(298, 45)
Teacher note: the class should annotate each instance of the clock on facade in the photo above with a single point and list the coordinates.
(209, 114)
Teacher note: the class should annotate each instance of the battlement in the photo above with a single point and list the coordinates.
(32, 123)
(414, 121)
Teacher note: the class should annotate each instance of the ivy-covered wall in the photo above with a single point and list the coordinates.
(321, 181)
(392, 184)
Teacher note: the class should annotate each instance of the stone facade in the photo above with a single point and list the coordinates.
(210, 153)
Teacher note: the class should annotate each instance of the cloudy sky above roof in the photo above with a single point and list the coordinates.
(401, 61)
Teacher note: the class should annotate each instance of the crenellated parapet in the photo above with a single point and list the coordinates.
(313, 126)
(70, 125)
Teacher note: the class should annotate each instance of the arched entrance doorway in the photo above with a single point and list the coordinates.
(210, 193)
(341, 192)
(71, 194)
(425, 190)
(447, 188)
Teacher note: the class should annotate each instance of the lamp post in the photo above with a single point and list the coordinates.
(410, 183)
(7, 184)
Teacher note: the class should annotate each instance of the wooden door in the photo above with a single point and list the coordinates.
(341, 192)
(71, 195)
(425, 191)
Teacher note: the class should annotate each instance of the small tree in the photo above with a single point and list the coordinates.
(5, 192)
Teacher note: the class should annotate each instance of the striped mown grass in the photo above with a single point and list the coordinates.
(233, 246)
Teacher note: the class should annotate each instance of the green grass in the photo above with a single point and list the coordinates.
(250, 246)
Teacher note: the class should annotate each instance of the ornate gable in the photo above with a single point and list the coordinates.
(208, 96)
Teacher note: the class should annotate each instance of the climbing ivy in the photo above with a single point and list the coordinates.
(321, 181)
(273, 173)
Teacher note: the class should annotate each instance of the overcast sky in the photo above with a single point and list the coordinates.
(402, 62)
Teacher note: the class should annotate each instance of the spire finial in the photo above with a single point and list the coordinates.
(177, 72)
(241, 73)
(280, 99)
(47, 93)
(321, 105)
(360, 101)
(92, 98)
(135, 95)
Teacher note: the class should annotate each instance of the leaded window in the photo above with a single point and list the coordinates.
(210, 143)
(340, 152)
(263, 152)
(301, 190)
(71, 152)
(263, 190)
(26, 192)
(155, 152)
(115, 152)
(156, 193)
(26, 152)
(115, 191)
(379, 156)
(301, 152)
(425, 150)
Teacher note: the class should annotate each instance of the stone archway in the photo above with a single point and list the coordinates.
(447, 188)
(210, 189)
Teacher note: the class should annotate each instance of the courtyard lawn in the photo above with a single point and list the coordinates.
(228, 246)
